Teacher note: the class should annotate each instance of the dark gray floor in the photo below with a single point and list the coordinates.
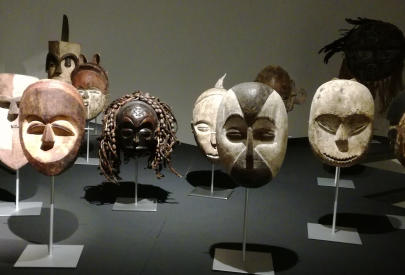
(180, 238)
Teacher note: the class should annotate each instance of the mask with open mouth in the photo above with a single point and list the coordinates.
(205, 119)
(251, 132)
(341, 122)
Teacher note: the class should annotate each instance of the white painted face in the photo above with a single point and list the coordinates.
(94, 101)
(12, 87)
(252, 128)
(204, 120)
(341, 122)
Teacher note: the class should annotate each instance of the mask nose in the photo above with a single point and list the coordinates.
(13, 111)
(213, 140)
(58, 70)
(85, 94)
(341, 139)
(136, 138)
(249, 149)
(48, 138)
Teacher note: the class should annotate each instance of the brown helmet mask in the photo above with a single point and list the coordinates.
(52, 120)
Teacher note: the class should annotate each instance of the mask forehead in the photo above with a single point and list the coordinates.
(6, 85)
(342, 98)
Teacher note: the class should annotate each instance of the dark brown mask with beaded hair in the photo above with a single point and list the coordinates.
(137, 123)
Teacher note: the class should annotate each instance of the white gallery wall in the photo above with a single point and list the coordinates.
(176, 50)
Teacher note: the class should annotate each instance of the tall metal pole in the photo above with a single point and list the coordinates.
(212, 179)
(88, 137)
(245, 223)
(136, 180)
(50, 247)
(17, 189)
(337, 175)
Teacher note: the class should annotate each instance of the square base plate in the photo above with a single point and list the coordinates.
(83, 161)
(231, 261)
(331, 183)
(128, 204)
(341, 235)
(24, 209)
(205, 191)
(63, 256)
(398, 222)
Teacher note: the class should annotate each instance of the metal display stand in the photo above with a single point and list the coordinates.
(336, 234)
(50, 256)
(243, 261)
(331, 183)
(398, 222)
(213, 192)
(20, 208)
(87, 160)
(135, 204)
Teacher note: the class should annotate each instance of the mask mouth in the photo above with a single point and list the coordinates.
(340, 160)
(86, 103)
(213, 156)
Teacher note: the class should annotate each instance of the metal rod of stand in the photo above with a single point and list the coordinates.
(95, 125)
(212, 179)
(245, 224)
(136, 180)
(88, 139)
(17, 189)
(337, 175)
(50, 247)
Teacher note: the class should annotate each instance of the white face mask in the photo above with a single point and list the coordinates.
(94, 101)
(251, 133)
(341, 122)
(12, 87)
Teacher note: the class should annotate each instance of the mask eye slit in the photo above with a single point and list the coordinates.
(36, 128)
(61, 130)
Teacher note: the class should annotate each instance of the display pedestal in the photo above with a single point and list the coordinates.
(87, 160)
(398, 222)
(231, 261)
(50, 256)
(331, 183)
(243, 261)
(333, 233)
(135, 204)
(63, 256)
(19, 208)
(211, 192)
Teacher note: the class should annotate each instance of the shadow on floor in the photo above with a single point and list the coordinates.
(203, 178)
(364, 223)
(65, 225)
(107, 192)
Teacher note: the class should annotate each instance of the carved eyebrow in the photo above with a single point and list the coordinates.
(5, 98)
(128, 120)
(236, 115)
(266, 118)
(202, 121)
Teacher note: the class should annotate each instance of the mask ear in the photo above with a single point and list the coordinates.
(96, 59)
(82, 59)
(392, 135)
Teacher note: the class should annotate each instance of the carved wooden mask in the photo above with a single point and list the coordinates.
(137, 123)
(52, 120)
(251, 133)
(396, 134)
(204, 120)
(279, 80)
(61, 60)
(12, 87)
(92, 83)
(341, 122)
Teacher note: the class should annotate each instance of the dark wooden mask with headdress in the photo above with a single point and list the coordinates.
(137, 124)
(374, 55)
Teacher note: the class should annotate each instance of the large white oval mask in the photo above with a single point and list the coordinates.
(341, 122)
(251, 133)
